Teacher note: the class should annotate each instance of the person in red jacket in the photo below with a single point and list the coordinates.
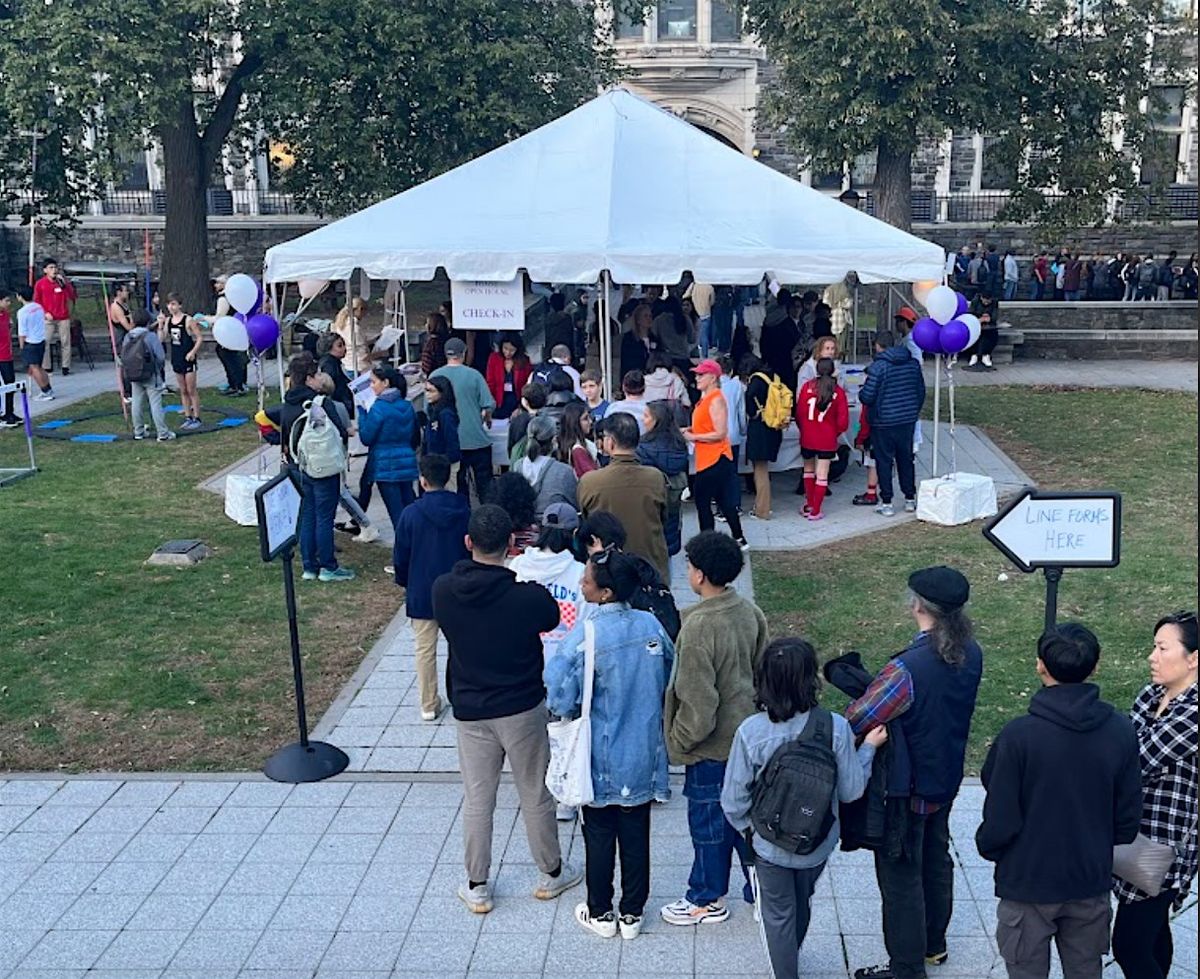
(507, 374)
(54, 293)
(823, 413)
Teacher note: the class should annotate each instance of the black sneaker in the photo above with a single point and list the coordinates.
(866, 499)
(875, 972)
(66, 371)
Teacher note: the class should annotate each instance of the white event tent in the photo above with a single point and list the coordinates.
(618, 186)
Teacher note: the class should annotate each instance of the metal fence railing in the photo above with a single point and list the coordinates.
(1180, 202)
(220, 202)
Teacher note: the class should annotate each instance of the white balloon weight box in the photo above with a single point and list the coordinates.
(956, 498)
(239, 498)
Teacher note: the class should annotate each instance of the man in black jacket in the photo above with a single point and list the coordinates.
(1063, 786)
(493, 626)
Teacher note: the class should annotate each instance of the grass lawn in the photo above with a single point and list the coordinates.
(1141, 443)
(107, 664)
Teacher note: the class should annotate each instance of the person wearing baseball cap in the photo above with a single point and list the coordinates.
(475, 406)
(715, 480)
(926, 694)
(902, 324)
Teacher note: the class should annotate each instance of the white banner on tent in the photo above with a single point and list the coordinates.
(488, 305)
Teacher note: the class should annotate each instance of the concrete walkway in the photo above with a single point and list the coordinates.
(1155, 375)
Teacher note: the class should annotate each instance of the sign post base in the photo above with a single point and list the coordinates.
(310, 762)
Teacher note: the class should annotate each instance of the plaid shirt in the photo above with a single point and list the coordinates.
(1169, 776)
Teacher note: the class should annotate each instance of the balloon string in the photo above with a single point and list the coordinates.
(953, 441)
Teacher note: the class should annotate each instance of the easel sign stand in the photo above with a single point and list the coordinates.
(278, 505)
(1055, 531)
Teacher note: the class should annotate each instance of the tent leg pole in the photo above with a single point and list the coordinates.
(605, 332)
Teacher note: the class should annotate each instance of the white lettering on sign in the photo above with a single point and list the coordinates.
(1059, 530)
(488, 305)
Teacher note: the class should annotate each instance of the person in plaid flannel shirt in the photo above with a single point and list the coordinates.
(1164, 716)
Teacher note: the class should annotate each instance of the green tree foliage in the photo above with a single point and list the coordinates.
(369, 98)
(1049, 78)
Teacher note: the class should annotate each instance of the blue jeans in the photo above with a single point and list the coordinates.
(704, 335)
(318, 504)
(396, 496)
(713, 839)
(1010, 290)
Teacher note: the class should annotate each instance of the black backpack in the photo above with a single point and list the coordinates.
(136, 362)
(792, 799)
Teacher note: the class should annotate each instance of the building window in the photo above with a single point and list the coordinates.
(995, 172)
(1166, 106)
(132, 162)
(677, 21)
(831, 180)
(862, 170)
(629, 29)
(1160, 158)
(726, 20)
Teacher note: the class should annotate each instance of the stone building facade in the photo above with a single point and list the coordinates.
(690, 57)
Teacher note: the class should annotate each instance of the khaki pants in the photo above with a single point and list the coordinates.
(482, 747)
(762, 488)
(63, 330)
(425, 633)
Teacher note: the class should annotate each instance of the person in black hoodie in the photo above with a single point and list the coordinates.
(1063, 787)
(493, 626)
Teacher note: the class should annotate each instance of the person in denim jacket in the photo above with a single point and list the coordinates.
(633, 660)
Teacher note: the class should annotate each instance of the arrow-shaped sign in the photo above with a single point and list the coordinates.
(1059, 530)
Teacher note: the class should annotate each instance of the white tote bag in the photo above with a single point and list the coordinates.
(569, 774)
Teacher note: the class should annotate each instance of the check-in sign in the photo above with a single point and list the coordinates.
(488, 305)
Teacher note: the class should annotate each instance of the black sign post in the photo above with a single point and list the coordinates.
(278, 505)
(1053, 531)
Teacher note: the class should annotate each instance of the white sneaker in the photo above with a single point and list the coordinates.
(564, 814)
(433, 715)
(604, 925)
(367, 535)
(987, 362)
(630, 925)
(910, 506)
(477, 899)
(684, 912)
(389, 569)
(973, 361)
(44, 396)
(885, 510)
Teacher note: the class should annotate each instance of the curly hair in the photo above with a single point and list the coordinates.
(514, 494)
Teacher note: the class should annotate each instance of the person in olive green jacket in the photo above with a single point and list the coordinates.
(710, 693)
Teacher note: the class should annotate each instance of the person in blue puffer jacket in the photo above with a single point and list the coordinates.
(633, 660)
(893, 393)
(387, 429)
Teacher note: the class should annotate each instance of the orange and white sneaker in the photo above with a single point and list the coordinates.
(684, 912)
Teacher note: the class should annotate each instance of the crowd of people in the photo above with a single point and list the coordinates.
(1067, 276)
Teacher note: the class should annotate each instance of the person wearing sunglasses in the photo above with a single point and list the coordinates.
(1164, 717)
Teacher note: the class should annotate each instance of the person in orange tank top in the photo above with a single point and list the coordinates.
(709, 433)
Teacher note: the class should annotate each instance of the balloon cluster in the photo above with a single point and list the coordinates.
(248, 327)
(948, 328)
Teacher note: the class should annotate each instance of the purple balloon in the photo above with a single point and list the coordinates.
(963, 305)
(956, 335)
(926, 334)
(259, 301)
(263, 331)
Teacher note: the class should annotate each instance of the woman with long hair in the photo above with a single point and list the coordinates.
(440, 433)
(507, 373)
(762, 441)
(633, 657)
(574, 444)
(433, 354)
(821, 348)
(823, 414)
(663, 447)
(387, 430)
(552, 481)
(1164, 716)
(787, 687)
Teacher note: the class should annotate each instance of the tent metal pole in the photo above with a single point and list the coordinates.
(605, 332)
(353, 323)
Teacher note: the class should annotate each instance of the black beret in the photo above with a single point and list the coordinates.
(945, 587)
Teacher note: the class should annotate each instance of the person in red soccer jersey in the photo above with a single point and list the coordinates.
(823, 413)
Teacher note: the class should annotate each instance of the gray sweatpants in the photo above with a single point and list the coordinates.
(1079, 929)
(785, 903)
(482, 746)
(143, 391)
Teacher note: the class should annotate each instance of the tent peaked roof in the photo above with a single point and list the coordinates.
(616, 184)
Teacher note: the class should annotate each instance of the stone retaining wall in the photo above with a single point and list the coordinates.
(1092, 331)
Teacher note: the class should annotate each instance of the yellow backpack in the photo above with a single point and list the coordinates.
(776, 412)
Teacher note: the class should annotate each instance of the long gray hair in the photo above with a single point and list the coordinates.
(951, 631)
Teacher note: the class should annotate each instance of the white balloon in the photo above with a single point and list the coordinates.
(973, 325)
(941, 302)
(242, 292)
(230, 333)
(922, 288)
(311, 288)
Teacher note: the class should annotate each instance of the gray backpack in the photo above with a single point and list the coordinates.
(317, 446)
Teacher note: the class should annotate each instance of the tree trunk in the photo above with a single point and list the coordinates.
(893, 183)
(185, 249)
